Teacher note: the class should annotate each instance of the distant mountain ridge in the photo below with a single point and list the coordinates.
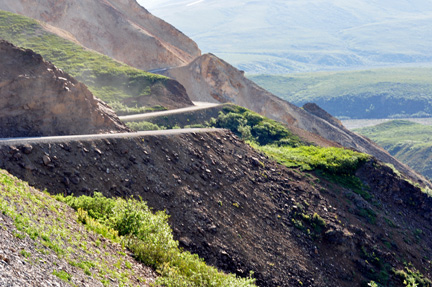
(292, 36)
(128, 29)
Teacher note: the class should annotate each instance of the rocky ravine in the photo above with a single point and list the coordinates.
(242, 212)
(117, 28)
(37, 99)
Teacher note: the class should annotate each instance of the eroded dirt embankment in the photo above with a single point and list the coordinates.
(38, 99)
(234, 207)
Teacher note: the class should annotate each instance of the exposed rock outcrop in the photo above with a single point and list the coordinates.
(121, 29)
(37, 99)
(209, 78)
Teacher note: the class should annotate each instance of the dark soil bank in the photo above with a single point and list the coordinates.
(242, 212)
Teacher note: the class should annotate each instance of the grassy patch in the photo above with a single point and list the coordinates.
(377, 269)
(106, 78)
(331, 160)
(63, 275)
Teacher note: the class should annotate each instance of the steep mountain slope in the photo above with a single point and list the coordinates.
(117, 84)
(274, 37)
(209, 78)
(243, 212)
(378, 93)
(38, 99)
(127, 29)
(407, 141)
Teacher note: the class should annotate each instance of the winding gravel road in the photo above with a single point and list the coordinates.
(61, 139)
(198, 106)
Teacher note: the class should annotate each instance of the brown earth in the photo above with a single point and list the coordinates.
(211, 79)
(37, 99)
(121, 29)
(242, 212)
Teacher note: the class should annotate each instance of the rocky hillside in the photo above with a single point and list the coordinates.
(42, 243)
(242, 212)
(332, 221)
(117, 28)
(37, 99)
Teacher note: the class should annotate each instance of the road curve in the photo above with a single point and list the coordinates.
(198, 106)
(61, 139)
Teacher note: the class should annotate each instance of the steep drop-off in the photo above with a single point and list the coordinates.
(116, 28)
(242, 212)
(37, 99)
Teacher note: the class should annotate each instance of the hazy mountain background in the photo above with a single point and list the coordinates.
(273, 37)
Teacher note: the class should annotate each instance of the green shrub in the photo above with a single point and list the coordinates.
(251, 126)
(150, 238)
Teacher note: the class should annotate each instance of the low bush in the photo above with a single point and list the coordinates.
(149, 236)
(251, 126)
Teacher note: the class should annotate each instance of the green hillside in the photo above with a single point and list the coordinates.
(107, 79)
(380, 93)
(409, 142)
